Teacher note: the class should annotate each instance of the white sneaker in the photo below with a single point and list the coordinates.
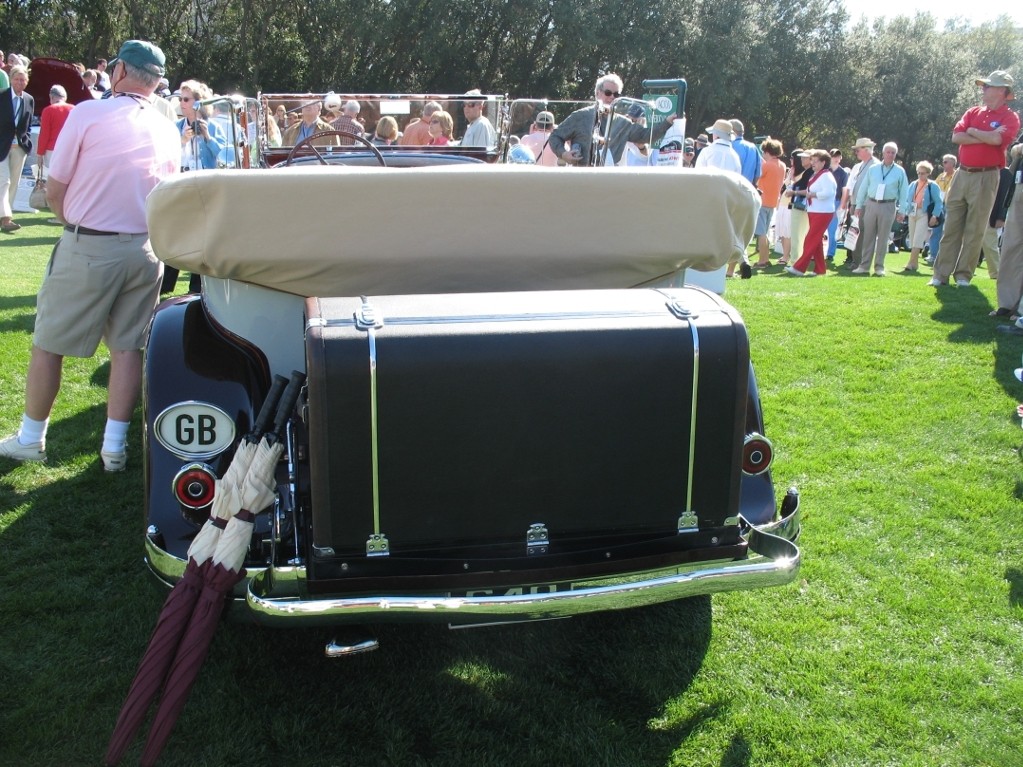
(963, 283)
(12, 448)
(810, 274)
(929, 261)
(114, 461)
(879, 272)
(794, 271)
(936, 283)
(861, 270)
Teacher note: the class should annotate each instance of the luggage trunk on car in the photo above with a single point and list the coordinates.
(514, 427)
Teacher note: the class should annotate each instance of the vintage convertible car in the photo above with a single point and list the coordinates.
(507, 412)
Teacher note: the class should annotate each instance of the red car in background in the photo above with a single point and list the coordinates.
(44, 73)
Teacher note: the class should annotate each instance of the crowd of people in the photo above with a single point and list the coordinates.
(812, 202)
(99, 159)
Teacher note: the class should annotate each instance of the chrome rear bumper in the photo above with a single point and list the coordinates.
(774, 561)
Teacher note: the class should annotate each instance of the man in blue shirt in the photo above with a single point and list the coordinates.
(880, 199)
(749, 155)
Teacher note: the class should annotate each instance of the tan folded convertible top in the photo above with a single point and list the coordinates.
(342, 231)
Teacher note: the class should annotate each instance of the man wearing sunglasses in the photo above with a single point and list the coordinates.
(577, 130)
(480, 131)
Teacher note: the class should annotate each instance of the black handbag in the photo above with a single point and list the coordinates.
(930, 208)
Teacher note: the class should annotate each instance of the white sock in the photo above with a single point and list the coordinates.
(32, 430)
(115, 436)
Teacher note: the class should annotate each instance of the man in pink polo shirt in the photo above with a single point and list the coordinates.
(983, 134)
(103, 280)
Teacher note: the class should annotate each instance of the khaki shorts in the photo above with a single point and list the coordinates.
(97, 287)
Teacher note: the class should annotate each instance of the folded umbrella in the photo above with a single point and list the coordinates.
(255, 493)
(180, 603)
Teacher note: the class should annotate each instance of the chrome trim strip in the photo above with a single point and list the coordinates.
(775, 562)
(474, 318)
(692, 418)
(366, 319)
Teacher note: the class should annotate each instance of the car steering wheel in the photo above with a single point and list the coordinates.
(307, 142)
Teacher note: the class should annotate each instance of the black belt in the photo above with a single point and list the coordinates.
(873, 200)
(87, 230)
(984, 169)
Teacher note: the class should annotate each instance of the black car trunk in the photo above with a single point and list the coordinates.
(521, 428)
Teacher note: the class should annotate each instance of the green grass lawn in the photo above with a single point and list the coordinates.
(891, 406)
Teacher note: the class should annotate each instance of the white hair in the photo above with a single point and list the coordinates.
(603, 80)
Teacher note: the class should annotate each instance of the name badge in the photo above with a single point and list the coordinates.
(879, 194)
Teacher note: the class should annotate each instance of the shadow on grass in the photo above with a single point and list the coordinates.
(968, 308)
(738, 753)
(23, 321)
(1015, 578)
(579, 691)
(593, 690)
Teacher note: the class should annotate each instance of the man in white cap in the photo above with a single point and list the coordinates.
(864, 151)
(983, 134)
(719, 153)
(480, 131)
(103, 281)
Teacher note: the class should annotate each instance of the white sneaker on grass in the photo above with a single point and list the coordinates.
(13, 449)
(114, 460)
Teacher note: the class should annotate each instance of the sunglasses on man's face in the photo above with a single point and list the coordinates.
(611, 94)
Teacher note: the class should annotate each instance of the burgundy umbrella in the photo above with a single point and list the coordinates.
(180, 603)
(255, 493)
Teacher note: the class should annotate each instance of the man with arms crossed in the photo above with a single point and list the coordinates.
(103, 279)
(983, 134)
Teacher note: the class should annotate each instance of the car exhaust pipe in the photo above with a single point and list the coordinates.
(350, 645)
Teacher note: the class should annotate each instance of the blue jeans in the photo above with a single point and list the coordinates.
(935, 240)
(832, 231)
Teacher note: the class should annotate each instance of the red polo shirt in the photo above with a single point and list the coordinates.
(982, 118)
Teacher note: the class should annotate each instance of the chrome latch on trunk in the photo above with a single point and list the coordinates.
(536, 539)
(366, 318)
(688, 522)
(377, 546)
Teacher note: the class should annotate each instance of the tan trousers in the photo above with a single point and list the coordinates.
(799, 226)
(875, 231)
(967, 210)
(1010, 270)
(10, 177)
(989, 246)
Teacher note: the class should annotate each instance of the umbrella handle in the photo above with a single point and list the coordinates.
(287, 404)
(266, 412)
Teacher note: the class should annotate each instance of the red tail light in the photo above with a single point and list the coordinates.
(195, 485)
(757, 454)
